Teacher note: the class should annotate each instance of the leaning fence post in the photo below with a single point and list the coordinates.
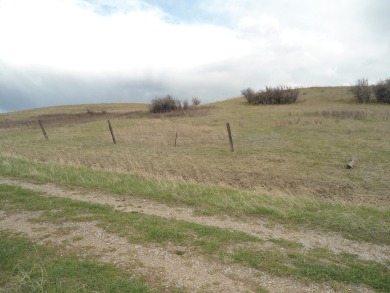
(43, 130)
(230, 137)
(112, 132)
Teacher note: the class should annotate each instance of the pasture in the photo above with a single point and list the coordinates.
(287, 174)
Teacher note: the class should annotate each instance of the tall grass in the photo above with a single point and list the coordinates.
(303, 157)
(281, 152)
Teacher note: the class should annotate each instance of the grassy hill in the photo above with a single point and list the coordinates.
(300, 149)
(282, 204)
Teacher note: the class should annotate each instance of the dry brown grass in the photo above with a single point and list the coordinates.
(280, 149)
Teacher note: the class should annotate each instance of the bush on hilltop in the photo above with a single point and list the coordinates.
(164, 104)
(281, 94)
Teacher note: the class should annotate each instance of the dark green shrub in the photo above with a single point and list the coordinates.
(382, 91)
(271, 95)
(361, 91)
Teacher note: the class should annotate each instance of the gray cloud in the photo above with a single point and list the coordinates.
(36, 88)
(132, 51)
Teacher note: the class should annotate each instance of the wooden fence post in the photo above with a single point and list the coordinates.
(43, 130)
(112, 132)
(175, 138)
(230, 137)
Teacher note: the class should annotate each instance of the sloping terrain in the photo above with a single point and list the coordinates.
(171, 206)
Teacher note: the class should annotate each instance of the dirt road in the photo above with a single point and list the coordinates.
(189, 271)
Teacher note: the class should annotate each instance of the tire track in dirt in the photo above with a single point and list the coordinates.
(157, 265)
(260, 228)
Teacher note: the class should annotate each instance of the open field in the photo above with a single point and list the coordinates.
(299, 149)
(287, 175)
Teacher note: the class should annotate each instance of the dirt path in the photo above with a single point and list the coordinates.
(160, 266)
(256, 227)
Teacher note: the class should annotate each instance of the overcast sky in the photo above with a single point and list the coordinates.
(55, 52)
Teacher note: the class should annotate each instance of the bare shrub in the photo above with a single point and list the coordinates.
(382, 91)
(165, 104)
(249, 95)
(195, 101)
(281, 94)
(361, 91)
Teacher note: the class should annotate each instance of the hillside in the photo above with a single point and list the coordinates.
(172, 206)
(299, 149)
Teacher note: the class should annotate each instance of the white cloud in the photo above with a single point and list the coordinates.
(63, 35)
(133, 48)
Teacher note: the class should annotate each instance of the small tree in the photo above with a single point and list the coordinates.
(382, 91)
(195, 101)
(361, 91)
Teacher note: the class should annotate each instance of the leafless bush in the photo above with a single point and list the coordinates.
(195, 101)
(361, 91)
(249, 95)
(382, 91)
(271, 95)
(165, 104)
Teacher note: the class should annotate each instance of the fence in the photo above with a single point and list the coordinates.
(183, 135)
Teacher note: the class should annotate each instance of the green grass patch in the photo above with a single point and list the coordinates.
(353, 222)
(317, 265)
(26, 267)
(286, 243)
(285, 259)
(138, 227)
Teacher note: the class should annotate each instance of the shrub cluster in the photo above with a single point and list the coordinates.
(163, 105)
(362, 91)
(382, 91)
(271, 95)
(169, 104)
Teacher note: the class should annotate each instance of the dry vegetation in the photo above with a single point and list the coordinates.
(298, 149)
(281, 213)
